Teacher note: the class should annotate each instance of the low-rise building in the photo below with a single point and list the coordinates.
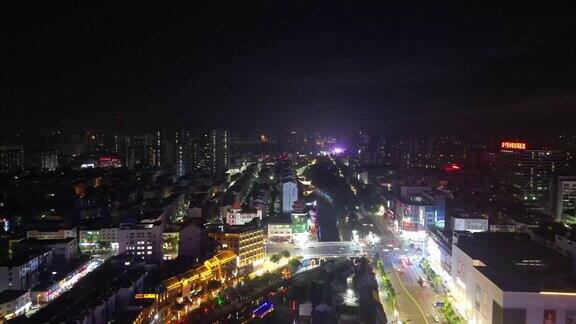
(508, 278)
(142, 239)
(192, 235)
(418, 208)
(280, 229)
(470, 223)
(14, 303)
(247, 241)
(235, 215)
(22, 271)
(50, 233)
(102, 298)
(63, 250)
(89, 238)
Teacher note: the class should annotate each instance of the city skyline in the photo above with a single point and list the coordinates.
(287, 162)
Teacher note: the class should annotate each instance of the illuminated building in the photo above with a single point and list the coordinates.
(279, 229)
(64, 250)
(108, 162)
(220, 267)
(508, 278)
(417, 208)
(14, 303)
(563, 198)
(289, 194)
(11, 159)
(236, 216)
(89, 238)
(469, 223)
(218, 151)
(49, 161)
(22, 271)
(142, 239)
(526, 173)
(182, 153)
(247, 241)
(52, 233)
(101, 298)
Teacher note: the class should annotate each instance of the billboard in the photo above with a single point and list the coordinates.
(513, 145)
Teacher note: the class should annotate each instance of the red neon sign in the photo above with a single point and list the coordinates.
(451, 167)
(514, 145)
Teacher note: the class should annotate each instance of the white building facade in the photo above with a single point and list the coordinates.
(289, 195)
(143, 240)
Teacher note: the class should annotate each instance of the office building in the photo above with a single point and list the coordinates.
(563, 198)
(525, 173)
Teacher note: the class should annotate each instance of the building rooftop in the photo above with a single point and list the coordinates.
(9, 295)
(516, 263)
(32, 241)
(21, 259)
(417, 200)
(89, 291)
(225, 228)
(284, 219)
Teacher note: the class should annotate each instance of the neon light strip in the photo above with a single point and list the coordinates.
(558, 293)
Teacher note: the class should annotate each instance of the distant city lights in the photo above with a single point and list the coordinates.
(338, 150)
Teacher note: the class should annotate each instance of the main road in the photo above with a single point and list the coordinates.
(414, 302)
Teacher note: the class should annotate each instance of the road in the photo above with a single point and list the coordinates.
(414, 303)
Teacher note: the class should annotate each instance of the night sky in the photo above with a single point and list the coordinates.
(397, 68)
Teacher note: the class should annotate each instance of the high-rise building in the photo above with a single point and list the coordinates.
(291, 141)
(526, 173)
(563, 198)
(289, 195)
(181, 153)
(218, 151)
(11, 158)
(49, 160)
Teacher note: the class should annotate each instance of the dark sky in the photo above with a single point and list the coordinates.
(401, 67)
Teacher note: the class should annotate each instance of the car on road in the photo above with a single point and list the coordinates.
(439, 304)
(436, 319)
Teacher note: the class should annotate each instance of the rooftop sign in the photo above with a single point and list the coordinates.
(514, 145)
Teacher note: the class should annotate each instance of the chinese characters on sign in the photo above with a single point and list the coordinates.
(514, 145)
